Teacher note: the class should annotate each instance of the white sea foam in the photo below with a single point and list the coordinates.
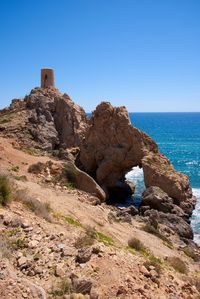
(135, 174)
(195, 219)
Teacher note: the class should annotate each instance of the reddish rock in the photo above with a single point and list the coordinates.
(112, 146)
(159, 172)
(70, 121)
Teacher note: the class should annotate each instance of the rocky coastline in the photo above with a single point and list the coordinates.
(94, 155)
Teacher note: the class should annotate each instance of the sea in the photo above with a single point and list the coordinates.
(178, 137)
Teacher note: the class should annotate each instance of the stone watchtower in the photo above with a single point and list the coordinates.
(47, 78)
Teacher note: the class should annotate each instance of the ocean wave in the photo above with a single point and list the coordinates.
(195, 219)
(194, 162)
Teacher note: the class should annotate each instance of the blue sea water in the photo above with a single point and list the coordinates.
(178, 137)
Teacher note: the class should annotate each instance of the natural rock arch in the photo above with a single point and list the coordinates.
(112, 147)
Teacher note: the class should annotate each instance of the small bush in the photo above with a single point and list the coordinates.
(36, 168)
(178, 264)
(5, 191)
(69, 185)
(62, 288)
(136, 244)
(86, 239)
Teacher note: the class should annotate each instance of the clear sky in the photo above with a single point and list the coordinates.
(144, 54)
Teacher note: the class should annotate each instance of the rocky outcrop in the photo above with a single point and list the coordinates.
(45, 119)
(112, 146)
(70, 121)
(56, 120)
(155, 198)
(159, 172)
(174, 222)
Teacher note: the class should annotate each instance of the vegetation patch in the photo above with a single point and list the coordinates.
(69, 186)
(72, 221)
(177, 264)
(22, 178)
(5, 191)
(106, 240)
(62, 288)
(30, 151)
(36, 168)
(87, 238)
(137, 245)
(38, 207)
(5, 119)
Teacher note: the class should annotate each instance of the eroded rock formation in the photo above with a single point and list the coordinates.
(57, 120)
(109, 145)
(159, 172)
(112, 146)
(45, 119)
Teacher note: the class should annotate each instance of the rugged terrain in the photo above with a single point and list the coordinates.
(59, 238)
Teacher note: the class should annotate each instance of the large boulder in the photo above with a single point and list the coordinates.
(83, 181)
(157, 199)
(159, 172)
(112, 146)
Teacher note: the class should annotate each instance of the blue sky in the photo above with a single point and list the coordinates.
(143, 54)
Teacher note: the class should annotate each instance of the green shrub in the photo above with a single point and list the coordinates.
(5, 191)
(61, 288)
(106, 240)
(178, 264)
(136, 244)
(69, 185)
(72, 221)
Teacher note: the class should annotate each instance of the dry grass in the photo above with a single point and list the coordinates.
(137, 245)
(62, 288)
(39, 208)
(177, 264)
(5, 191)
(36, 168)
(87, 238)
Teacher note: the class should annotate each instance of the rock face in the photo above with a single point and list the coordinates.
(70, 121)
(159, 172)
(45, 120)
(57, 120)
(112, 146)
